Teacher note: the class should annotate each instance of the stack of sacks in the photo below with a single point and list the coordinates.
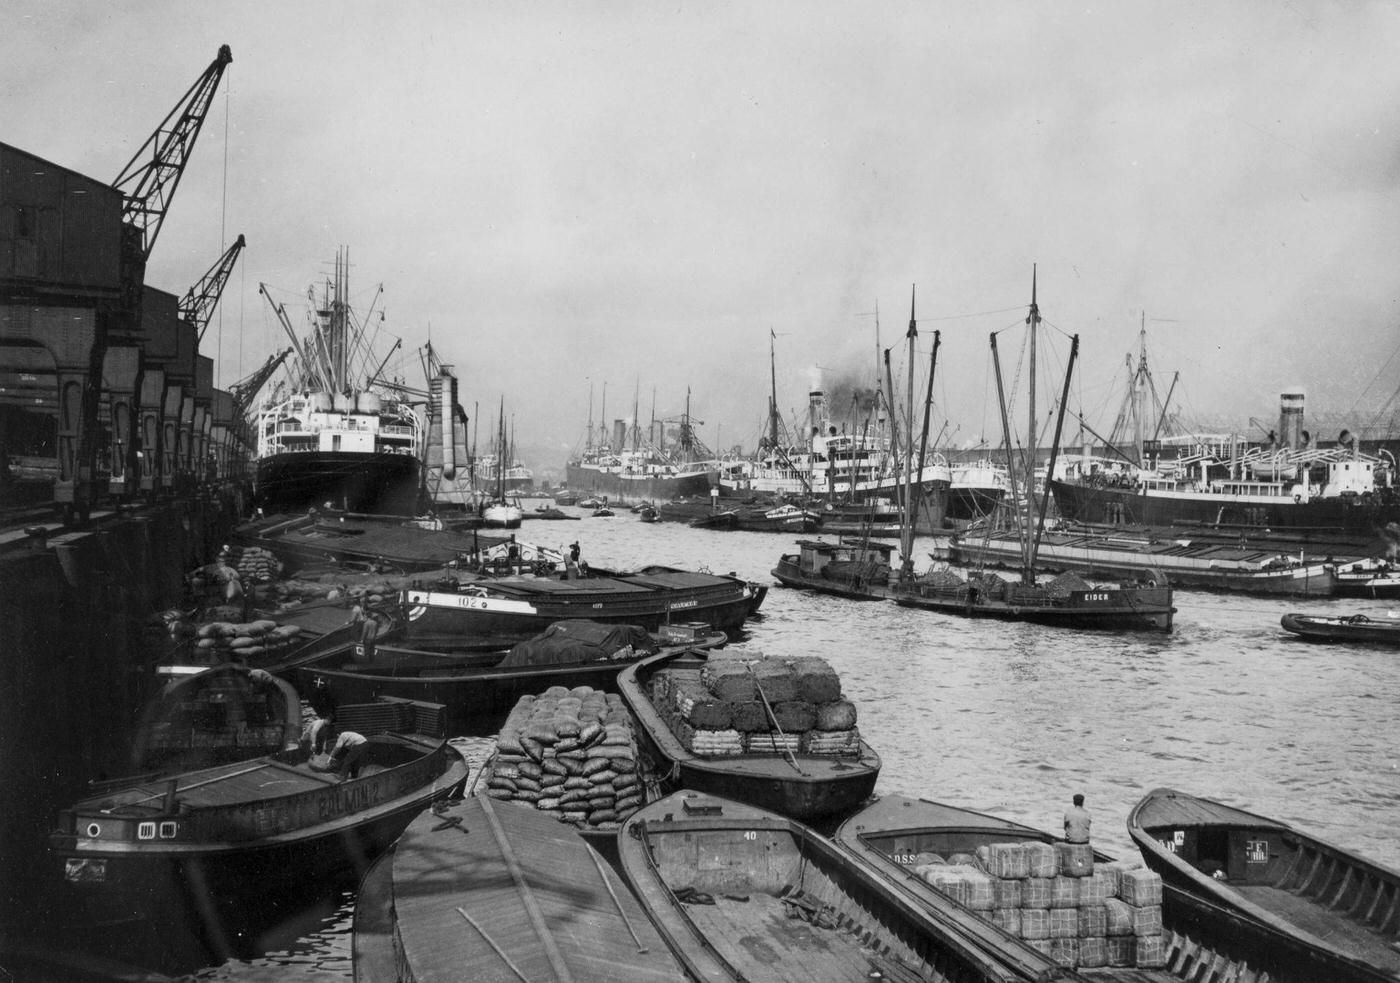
(250, 640)
(570, 752)
(718, 709)
(254, 564)
(1058, 901)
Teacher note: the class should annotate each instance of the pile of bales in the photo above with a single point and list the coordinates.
(570, 752)
(743, 702)
(1056, 899)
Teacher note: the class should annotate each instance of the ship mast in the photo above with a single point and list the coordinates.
(906, 524)
(772, 395)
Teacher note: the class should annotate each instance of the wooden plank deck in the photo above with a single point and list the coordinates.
(536, 904)
(760, 940)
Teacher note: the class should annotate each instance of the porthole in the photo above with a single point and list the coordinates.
(94, 830)
(146, 831)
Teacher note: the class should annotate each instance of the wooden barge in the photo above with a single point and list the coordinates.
(207, 849)
(803, 786)
(1186, 561)
(742, 894)
(511, 609)
(1294, 885)
(1111, 607)
(482, 890)
(1203, 940)
(478, 690)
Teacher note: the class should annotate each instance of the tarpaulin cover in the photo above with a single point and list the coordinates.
(567, 642)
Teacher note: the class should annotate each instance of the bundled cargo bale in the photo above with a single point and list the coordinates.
(1064, 923)
(1035, 923)
(949, 880)
(774, 743)
(775, 681)
(836, 715)
(1042, 860)
(729, 680)
(1035, 892)
(1008, 919)
(1140, 887)
(1113, 871)
(1008, 860)
(713, 743)
(1093, 952)
(1064, 892)
(1149, 952)
(980, 894)
(816, 681)
(697, 706)
(1097, 887)
(1147, 921)
(794, 716)
(1006, 893)
(1118, 917)
(1075, 859)
(1065, 951)
(748, 716)
(1120, 951)
(1093, 921)
(833, 742)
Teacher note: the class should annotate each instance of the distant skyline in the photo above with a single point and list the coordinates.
(561, 195)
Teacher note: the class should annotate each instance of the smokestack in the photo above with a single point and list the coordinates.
(619, 435)
(1290, 419)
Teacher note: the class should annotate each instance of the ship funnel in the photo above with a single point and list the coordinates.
(1290, 419)
(449, 422)
(619, 440)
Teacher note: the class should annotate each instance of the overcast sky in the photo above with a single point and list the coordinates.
(567, 194)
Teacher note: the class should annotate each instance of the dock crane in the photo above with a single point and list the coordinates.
(197, 306)
(149, 180)
(246, 390)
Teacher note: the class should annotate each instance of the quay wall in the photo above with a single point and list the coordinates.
(75, 650)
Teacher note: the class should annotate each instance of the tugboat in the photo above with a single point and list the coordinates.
(335, 436)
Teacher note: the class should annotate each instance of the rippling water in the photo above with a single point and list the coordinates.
(1013, 719)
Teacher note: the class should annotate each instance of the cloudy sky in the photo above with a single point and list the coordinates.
(563, 195)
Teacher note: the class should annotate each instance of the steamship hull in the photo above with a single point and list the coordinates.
(630, 489)
(1351, 514)
(378, 483)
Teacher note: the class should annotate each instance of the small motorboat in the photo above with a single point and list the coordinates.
(592, 502)
(1375, 629)
(648, 513)
(1296, 885)
(603, 512)
(740, 893)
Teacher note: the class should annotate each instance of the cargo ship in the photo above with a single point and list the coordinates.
(1290, 484)
(336, 437)
(645, 471)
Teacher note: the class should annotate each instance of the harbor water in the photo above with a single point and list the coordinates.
(1013, 719)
